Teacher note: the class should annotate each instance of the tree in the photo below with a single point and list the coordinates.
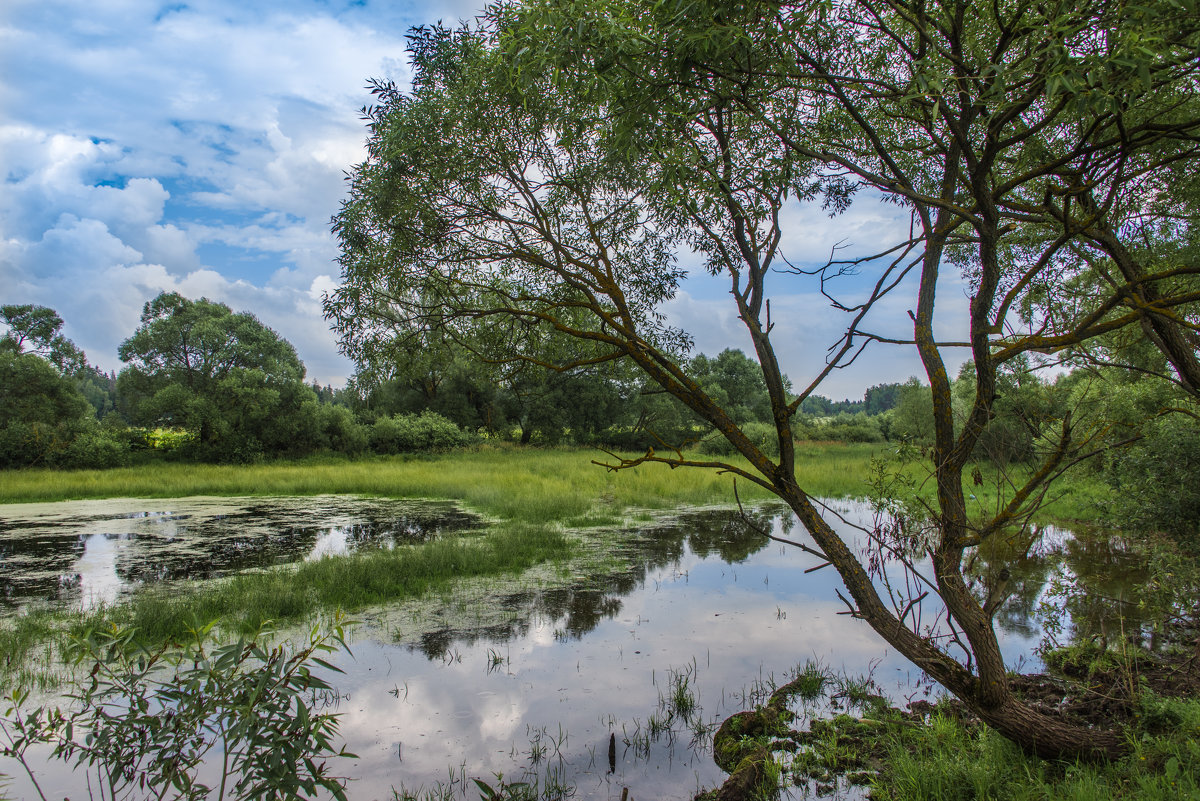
(48, 394)
(41, 411)
(36, 329)
(544, 169)
(881, 397)
(734, 381)
(232, 381)
(913, 417)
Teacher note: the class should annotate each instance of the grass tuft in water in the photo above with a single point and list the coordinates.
(245, 602)
(810, 680)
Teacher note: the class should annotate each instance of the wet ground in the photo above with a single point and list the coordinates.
(569, 675)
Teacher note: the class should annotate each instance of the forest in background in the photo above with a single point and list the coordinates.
(206, 384)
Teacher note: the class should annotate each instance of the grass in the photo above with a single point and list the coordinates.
(947, 761)
(531, 485)
(528, 484)
(243, 603)
(948, 757)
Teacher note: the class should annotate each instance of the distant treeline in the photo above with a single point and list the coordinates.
(204, 383)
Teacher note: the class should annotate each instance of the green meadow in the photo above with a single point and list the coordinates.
(531, 485)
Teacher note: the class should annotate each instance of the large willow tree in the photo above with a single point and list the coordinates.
(542, 171)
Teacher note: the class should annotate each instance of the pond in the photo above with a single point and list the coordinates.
(92, 552)
(559, 680)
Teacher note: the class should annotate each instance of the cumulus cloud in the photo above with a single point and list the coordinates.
(201, 148)
(197, 148)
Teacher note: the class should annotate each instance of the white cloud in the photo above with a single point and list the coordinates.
(197, 148)
(805, 322)
(201, 148)
(811, 236)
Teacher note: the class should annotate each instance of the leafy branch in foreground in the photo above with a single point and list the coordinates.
(143, 722)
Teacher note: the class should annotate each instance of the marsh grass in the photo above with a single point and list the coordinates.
(535, 485)
(244, 603)
(532, 485)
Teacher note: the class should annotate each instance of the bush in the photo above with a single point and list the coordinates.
(1154, 481)
(144, 722)
(97, 448)
(341, 431)
(404, 433)
(844, 427)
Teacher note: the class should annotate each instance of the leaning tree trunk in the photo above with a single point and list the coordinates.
(986, 691)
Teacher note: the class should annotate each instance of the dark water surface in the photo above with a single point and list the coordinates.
(90, 552)
(534, 677)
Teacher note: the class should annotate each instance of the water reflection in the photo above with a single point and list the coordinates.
(519, 675)
(581, 667)
(89, 552)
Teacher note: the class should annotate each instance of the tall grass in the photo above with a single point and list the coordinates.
(532, 485)
(949, 761)
(527, 484)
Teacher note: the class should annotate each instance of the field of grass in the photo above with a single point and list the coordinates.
(527, 484)
(532, 485)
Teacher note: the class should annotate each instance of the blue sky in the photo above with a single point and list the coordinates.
(200, 148)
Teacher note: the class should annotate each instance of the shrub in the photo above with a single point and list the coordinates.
(96, 448)
(145, 721)
(404, 433)
(761, 434)
(845, 427)
(341, 431)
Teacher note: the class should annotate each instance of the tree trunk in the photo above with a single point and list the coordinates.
(986, 691)
(1047, 736)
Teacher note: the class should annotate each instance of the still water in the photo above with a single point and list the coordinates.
(92, 552)
(532, 677)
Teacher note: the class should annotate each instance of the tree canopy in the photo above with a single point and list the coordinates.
(49, 396)
(37, 329)
(232, 381)
(546, 167)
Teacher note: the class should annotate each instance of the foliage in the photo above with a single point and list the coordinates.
(44, 420)
(763, 435)
(404, 433)
(141, 722)
(36, 329)
(913, 419)
(340, 430)
(734, 381)
(1154, 481)
(843, 427)
(50, 398)
(234, 382)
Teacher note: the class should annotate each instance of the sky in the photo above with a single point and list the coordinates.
(201, 148)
